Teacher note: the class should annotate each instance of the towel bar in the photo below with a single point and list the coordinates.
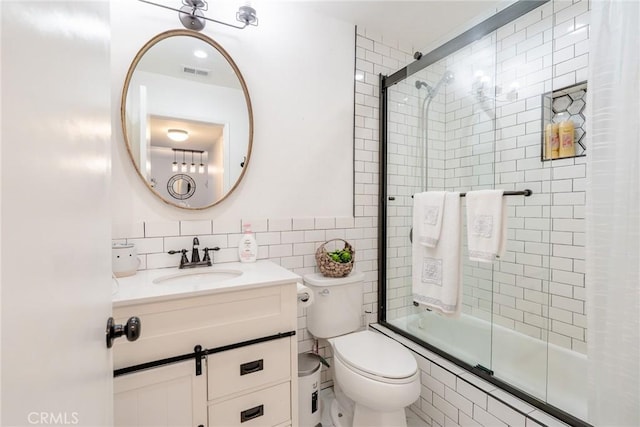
(526, 193)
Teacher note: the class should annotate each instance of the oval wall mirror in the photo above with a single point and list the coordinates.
(186, 111)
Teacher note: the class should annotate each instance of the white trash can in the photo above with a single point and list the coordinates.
(309, 411)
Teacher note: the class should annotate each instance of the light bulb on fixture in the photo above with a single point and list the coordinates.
(174, 165)
(192, 169)
(177, 135)
(183, 166)
(201, 167)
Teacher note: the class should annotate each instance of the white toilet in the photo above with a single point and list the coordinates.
(375, 377)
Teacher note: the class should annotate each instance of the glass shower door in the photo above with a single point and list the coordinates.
(521, 277)
(477, 119)
(439, 138)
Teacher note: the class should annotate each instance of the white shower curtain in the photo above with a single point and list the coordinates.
(613, 214)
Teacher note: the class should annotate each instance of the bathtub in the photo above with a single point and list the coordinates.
(551, 373)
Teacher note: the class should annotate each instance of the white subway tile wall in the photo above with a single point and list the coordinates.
(537, 288)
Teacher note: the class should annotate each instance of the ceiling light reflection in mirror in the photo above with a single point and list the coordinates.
(178, 135)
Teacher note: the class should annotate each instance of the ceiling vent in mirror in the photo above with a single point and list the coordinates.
(195, 71)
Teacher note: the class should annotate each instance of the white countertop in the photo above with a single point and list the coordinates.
(141, 289)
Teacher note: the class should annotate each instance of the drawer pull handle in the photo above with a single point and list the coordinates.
(252, 413)
(251, 367)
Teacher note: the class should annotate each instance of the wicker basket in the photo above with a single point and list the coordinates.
(331, 268)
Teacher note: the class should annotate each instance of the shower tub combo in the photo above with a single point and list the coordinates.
(468, 116)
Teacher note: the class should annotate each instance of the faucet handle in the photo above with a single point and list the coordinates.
(206, 253)
(181, 251)
(184, 260)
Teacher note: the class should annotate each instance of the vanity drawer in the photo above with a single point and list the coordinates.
(172, 328)
(248, 367)
(267, 407)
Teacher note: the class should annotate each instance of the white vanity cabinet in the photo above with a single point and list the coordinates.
(248, 376)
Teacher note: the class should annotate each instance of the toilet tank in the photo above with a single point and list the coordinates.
(337, 306)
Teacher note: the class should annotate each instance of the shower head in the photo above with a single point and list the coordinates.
(446, 78)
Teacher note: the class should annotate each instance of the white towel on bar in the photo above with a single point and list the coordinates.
(437, 272)
(486, 225)
(427, 217)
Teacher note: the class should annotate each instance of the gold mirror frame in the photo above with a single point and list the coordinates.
(132, 68)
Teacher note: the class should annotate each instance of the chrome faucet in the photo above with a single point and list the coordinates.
(206, 261)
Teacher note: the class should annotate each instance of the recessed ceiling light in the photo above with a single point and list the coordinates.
(178, 135)
(200, 54)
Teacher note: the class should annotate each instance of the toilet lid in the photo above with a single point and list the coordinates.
(375, 354)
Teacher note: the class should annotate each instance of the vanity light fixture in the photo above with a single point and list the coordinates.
(201, 167)
(184, 166)
(178, 135)
(174, 165)
(192, 169)
(191, 14)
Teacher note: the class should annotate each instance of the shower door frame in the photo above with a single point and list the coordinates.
(501, 18)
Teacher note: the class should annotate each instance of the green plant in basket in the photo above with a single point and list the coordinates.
(342, 256)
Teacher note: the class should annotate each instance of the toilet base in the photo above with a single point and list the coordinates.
(365, 417)
(339, 416)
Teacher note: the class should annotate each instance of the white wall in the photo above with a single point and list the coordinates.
(298, 66)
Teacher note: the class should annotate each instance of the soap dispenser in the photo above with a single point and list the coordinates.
(248, 247)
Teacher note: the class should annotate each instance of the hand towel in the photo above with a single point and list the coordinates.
(486, 225)
(437, 272)
(427, 217)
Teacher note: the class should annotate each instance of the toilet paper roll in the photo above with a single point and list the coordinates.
(305, 296)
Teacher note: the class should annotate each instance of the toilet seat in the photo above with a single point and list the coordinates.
(376, 357)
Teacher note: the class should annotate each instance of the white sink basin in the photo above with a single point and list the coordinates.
(197, 277)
